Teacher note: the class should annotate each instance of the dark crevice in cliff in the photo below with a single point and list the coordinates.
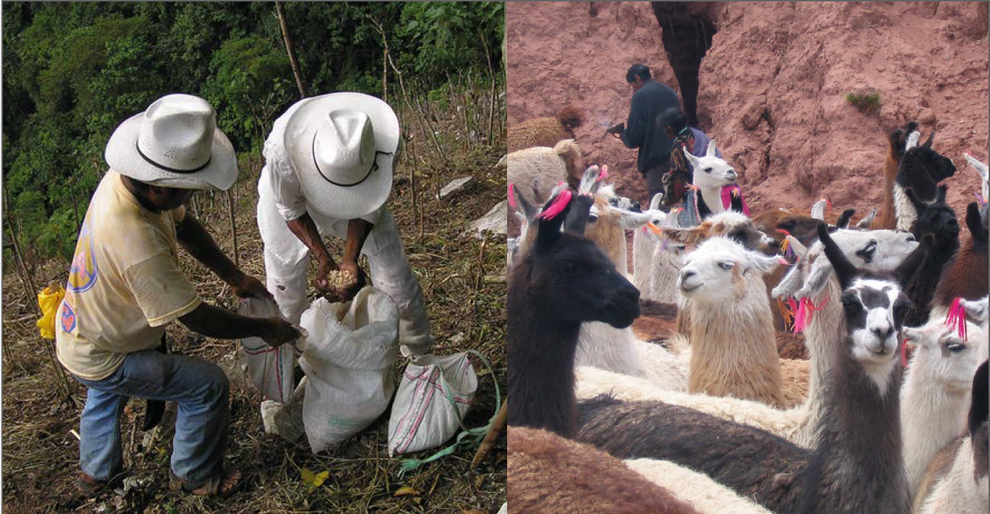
(686, 38)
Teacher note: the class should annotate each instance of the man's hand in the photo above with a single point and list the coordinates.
(280, 332)
(320, 282)
(616, 130)
(250, 286)
(347, 292)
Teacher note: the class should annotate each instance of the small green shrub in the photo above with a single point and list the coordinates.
(865, 101)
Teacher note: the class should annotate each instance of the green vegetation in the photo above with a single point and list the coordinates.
(72, 72)
(866, 101)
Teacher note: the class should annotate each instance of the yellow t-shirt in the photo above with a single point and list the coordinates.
(124, 283)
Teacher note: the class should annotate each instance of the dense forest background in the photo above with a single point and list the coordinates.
(73, 71)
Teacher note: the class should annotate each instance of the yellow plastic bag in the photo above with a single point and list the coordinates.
(49, 300)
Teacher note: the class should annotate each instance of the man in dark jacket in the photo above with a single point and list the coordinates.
(644, 131)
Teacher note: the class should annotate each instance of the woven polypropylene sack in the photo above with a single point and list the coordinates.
(270, 368)
(350, 351)
(433, 398)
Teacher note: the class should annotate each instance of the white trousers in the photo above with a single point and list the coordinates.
(287, 266)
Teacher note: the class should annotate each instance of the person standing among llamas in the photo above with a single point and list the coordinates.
(328, 172)
(644, 131)
(125, 286)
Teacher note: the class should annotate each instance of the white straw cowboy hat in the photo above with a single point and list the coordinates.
(175, 143)
(342, 146)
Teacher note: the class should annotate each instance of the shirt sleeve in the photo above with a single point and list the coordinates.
(289, 199)
(636, 126)
(161, 290)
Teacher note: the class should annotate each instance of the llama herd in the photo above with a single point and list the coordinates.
(715, 418)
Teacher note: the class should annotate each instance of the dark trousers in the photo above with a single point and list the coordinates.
(654, 182)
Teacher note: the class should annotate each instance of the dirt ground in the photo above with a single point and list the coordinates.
(463, 282)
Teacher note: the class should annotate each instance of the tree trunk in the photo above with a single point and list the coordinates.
(289, 48)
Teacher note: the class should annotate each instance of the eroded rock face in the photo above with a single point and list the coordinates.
(771, 88)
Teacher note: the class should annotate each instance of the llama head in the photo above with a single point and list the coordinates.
(803, 228)
(952, 358)
(980, 168)
(976, 309)
(716, 271)
(874, 310)
(710, 172)
(871, 250)
(731, 224)
(979, 430)
(935, 164)
(935, 218)
(576, 280)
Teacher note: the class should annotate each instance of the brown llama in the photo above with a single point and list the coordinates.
(898, 142)
(965, 276)
(545, 131)
(547, 473)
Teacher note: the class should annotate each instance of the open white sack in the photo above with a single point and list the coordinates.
(350, 350)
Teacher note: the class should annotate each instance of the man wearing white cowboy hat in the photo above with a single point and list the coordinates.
(125, 285)
(328, 171)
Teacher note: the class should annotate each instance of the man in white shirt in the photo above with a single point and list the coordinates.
(125, 286)
(328, 172)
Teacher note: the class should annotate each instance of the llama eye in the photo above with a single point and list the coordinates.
(568, 267)
(592, 218)
(911, 239)
(955, 347)
(708, 170)
(725, 265)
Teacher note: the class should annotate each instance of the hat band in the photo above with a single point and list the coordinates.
(166, 168)
(373, 167)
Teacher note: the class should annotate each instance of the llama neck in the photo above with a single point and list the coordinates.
(642, 253)
(663, 276)
(887, 218)
(713, 198)
(541, 349)
(860, 430)
(603, 346)
(904, 209)
(965, 276)
(932, 416)
(748, 366)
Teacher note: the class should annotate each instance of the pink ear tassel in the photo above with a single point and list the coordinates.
(603, 174)
(980, 198)
(557, 206)
(805, 312)
(904, 361)
(957, 316)
(783, 261)
(512, 197)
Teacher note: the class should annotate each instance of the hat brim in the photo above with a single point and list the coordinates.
(334, 201)
(122, 155)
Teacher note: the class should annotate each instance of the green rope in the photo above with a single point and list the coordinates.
(470, 436)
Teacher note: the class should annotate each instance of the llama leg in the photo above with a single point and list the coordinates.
(390, 272)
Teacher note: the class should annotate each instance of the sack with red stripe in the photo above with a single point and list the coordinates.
(270, 368)
(433, 397)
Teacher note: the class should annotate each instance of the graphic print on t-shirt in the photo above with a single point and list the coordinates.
(84, 270)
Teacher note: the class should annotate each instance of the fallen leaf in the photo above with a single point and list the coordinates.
(472, 511)
(314, 479)
(406, 491)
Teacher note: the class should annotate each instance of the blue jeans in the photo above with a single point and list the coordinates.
(200, 389)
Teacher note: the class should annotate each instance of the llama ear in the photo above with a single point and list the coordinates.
(790, 284)
(818, 210)
(692, 159)
(589, 181)
(918, 204)
(978, 166)
(867, 222)
(931, 137)
(817, 278)
(912, 140)
(975, 222)
(915, 335)
(942, 191)
(522, 206)
(976, 309)
(978, 412)
(844, 269)
(799, 249)
(711, 152)
(577, 218)
(551, 219)
(762, 263)
(685, 235)
(843, 221)
(655, 201)
(630, 220)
